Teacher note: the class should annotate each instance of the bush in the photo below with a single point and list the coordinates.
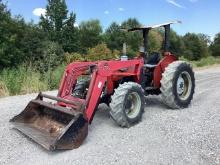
(130, 52)
(52, 56)
(71, 57)
(101, 52)
(57, 76)
(116, 54)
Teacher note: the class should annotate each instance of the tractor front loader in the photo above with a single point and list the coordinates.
(122, 84)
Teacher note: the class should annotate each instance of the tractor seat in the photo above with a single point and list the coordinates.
(153, 60)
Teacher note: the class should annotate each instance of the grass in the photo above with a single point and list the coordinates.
(207, 61)
(3, 89)
(24, 80)
(56, 76)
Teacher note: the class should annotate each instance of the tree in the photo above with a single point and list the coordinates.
(155, 41)
(215, 46)
(5, 17)
(90, 34)
(204, 38)
(130, 23)
(114, 37)
(26, 43)
(195, 48)
(134, 40)
(52, 55)
(53, 21)
(32, 43)
(70, 36)
(12, 31)
(59, 26)
(176, 44)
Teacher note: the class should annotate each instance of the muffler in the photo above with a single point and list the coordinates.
(52, 126)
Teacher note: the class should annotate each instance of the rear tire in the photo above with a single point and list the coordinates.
(127, 104)
(177, 85)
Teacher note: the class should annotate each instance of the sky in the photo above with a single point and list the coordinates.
(199, 16)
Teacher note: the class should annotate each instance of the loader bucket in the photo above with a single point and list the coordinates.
(52, 126)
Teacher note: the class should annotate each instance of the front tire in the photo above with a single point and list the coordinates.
(177, 85)
(127, 104)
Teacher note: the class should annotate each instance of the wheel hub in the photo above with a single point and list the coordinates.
(133, 105)
(184, 85)
(180, 85)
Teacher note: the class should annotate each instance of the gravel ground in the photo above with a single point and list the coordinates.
(189, 136)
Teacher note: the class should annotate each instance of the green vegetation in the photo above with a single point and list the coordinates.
(210, 60)
(21, 80)
(33, 56)
(25, 79)
(203, 62)
(215, 46)
(196, 47)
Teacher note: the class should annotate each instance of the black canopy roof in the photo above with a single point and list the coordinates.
(152, 26)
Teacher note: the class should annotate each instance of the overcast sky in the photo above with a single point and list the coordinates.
(200, 16)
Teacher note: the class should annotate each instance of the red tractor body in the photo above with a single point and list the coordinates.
(105, 74)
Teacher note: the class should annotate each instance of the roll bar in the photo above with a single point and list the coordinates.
(146, 29)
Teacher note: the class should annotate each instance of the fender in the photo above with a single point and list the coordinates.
(160, 68)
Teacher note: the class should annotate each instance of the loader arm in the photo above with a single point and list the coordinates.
(97, 82)
(70, 75)
(94, 95)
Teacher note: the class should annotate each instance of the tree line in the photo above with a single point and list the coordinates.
(56, 39)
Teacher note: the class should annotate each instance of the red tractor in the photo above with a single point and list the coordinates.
(122, 84)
